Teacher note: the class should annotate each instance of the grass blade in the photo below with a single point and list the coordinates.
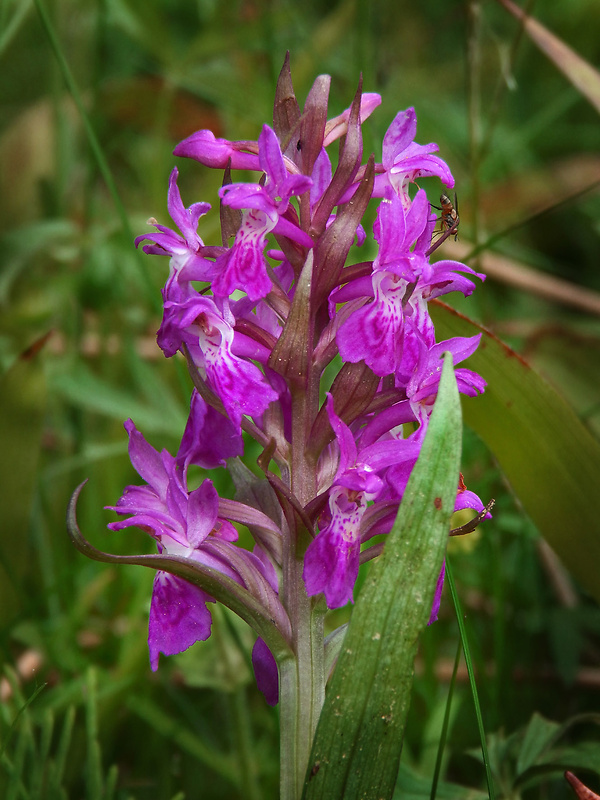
(446, 722)
(170, 728)
(583, 76)
(96, 149)
(16, 719)
(93, 765)
(56, 776)
(469, 662)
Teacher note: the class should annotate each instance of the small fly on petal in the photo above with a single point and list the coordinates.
(449, 217)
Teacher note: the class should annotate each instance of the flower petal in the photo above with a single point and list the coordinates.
(178, 617)
(265, 672)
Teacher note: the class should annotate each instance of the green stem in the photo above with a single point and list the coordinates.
(301, 696)
(302, 684)
(302, 680)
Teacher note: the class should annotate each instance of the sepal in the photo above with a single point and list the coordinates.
(348, 166)
(334, 245)
(312, 124)
(286, 110)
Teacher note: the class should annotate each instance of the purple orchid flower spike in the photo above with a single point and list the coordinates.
(401, 283)
(321, 179)
(373, 331)
(190, 525)
(265, 672)
(179, 617)
(423, 384)
(332, 559)
(271, 318)
(209, 438)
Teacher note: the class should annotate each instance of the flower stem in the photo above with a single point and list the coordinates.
(302, 691)
(302, 679)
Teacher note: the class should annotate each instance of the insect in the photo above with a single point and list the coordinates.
(450, 219)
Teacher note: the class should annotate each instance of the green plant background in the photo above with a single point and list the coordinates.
(520, 140)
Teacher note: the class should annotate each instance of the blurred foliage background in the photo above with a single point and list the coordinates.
(78, 313)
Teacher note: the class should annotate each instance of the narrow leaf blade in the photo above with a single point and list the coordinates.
(584, 77)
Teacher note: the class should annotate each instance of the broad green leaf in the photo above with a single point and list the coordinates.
(551, 460)
(357, 745)
(553, 758)
(539, 734)
(411, 786)
(582, 756)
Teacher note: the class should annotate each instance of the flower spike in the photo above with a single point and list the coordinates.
(328, 362)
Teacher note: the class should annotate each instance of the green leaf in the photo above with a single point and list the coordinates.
(540, 733)
(89, 391)
(411, 786)
(357, 746)
(582, 756)
(551, 460)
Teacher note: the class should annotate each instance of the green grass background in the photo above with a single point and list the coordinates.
(519, 139)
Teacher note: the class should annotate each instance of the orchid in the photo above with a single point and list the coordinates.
(185, 249)
(264, 323)
(404, 160)
(243, 266)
